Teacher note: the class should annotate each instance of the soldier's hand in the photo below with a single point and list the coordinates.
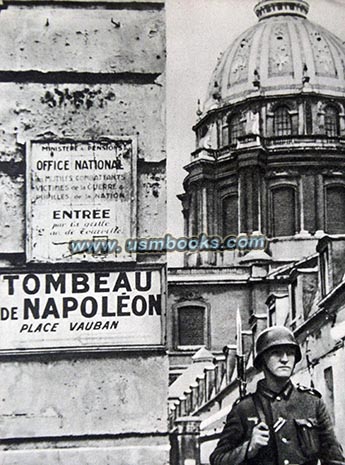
(260, 438)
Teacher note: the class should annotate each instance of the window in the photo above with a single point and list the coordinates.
(225, 131)
(230, 215)
(335, 210)
(201, 133)
(324, 270)
(331, 121)
(272, 314)
(283, 211)
(236, 128)
(194, 216)
(329, 391)
(282, 122)
(308, 118)
(296, 302)
(293, 302)
(278, 309)
(191, 326)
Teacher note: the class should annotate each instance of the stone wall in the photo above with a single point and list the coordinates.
(80, 71)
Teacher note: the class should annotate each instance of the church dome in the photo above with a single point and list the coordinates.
(282, 54)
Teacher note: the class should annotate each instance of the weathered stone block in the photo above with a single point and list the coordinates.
(75, 39)
(11, 211)
(83, 111)
(123, 455)
(108, 394)
(152, 195)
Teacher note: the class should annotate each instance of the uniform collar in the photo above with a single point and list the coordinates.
(284, 393)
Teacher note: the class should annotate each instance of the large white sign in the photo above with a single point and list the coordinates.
(81, 191)
(77, 309)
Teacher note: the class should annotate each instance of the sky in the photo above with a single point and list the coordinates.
(197, 32)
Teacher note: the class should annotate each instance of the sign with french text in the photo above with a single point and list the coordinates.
(81, 309)
(81, 191)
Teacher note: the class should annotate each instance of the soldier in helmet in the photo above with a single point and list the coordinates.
(280, 424)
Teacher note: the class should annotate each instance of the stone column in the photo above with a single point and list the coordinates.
(185, 448)
(256, 196)
(250, 174)
(250, 199)
(319, 204)
(242, 202)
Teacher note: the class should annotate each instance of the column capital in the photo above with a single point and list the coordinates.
(188, 425)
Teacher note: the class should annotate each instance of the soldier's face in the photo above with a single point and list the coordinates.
(280, 361)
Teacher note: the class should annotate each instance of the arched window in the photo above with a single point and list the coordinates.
(282, 122)
(331, 121)
(236, 128)
(284, 211)
(335, 210)
(230, 215)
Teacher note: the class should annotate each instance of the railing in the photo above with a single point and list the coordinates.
(312, 141)
(205, 387)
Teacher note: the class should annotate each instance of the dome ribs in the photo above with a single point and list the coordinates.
(240, 62)
(339, 55)
(280, 61)
(281, 55)
(297, 51)
(255, 56)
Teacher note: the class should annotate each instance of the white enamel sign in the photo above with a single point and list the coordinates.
(81, 309)
(80, 191)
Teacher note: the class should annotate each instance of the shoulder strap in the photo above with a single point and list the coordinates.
(309, 390)
(259, 408)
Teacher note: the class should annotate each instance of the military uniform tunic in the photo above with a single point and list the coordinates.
(300, 428)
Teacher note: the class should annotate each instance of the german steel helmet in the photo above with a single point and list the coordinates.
(274, 337)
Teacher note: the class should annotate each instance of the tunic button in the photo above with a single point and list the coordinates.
(278, 398)
(286, 462)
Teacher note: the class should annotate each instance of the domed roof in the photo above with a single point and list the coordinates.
(282, 54)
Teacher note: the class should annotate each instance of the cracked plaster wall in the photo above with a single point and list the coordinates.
(85, 40)
(82, 72)
(122, 93)
(97, 395)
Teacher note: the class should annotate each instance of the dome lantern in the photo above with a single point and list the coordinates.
(267, 8)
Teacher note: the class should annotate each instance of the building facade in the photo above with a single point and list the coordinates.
(269, 160)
